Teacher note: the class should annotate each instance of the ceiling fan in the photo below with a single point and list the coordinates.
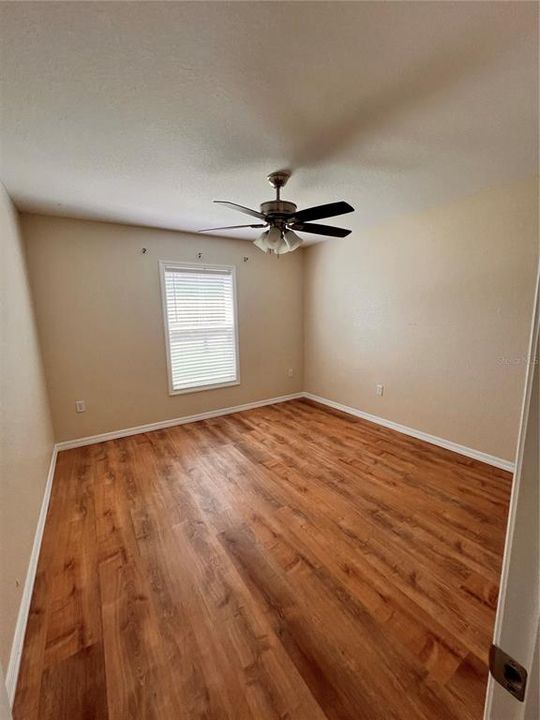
(280, 219)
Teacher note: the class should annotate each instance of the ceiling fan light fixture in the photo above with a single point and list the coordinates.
(273, 238)
(260, 242)
(272, 241)
(283, 247)
(292, 240)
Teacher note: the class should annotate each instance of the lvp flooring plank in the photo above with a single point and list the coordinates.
(75, 687)
(285, 562)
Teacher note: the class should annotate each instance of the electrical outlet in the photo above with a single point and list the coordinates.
(291, 372)
(380, 390)
(80, 406)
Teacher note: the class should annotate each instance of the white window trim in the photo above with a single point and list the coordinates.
(163, 264)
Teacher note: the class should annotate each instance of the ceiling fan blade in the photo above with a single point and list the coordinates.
(321, 229)
(322, 211)
(241, 208)
(232, 227)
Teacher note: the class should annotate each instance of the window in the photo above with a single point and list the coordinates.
(199, 307)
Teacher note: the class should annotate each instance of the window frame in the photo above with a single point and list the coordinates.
(163, 265)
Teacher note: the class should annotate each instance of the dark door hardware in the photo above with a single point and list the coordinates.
(508, 672)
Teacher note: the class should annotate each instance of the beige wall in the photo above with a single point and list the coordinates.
(5, 709)
(437, 307)
(26, 437)
(99, 313)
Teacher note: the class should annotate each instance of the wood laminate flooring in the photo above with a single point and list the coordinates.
(286, 562)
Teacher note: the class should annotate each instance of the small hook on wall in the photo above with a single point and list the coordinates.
(144, 251)
(200, 255)
(246, 258)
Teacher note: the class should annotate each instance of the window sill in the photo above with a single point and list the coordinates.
(200, 388)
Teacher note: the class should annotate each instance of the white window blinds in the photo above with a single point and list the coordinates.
(200, 322)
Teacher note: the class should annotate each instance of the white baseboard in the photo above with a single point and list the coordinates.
(433, 439)
(115, 434)
(24, 608)
(420, 435)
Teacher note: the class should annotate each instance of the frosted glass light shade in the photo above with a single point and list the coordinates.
(292, 239)
(278, 242)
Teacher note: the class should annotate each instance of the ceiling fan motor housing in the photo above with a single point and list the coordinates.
(276, 210)
(282, 219)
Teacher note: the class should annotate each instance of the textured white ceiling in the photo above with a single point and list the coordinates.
(146, 112)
